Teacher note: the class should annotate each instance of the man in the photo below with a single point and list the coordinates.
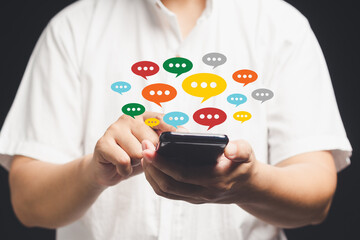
(65, 145)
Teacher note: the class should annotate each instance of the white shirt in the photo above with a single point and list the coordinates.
(65, 103)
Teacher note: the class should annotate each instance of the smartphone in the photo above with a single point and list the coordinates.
(192, 148)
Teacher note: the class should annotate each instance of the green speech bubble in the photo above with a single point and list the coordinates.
(178, 65)
(133, 109)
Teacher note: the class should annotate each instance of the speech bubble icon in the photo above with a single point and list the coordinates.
(205, 85)
(214, 59)
(209, 117)
(121, 87)
(236, 99)
(245, 76)
(262, 94)
(133, 109)
(145, 68)
(178, 65)
(242, 116)
(176, 119)
(152, 122)
(159, 93)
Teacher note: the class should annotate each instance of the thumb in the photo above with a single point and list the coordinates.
(238, 151)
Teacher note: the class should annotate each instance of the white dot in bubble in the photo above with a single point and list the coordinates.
(216, 116)
(232, 99)
(167, 92)
(257, 94)
(214, 59)
(116, 86)
(246, 116)
(213, 85)
(262, 94)
(240, 99)
(209, 59)
(133, 109)
(202, 116)
(244, 76)
(194, 84)
(203, 84)
(139, 68)
(242, 116)
(176, 118)
(209, 116)
(266, 94)
(239, 76)
(170, 118)
(219, 59)
(171, 65)
(128, 109)
(183, 65)
(138, 109)
(237, 115)
(145, 68)
(121, 86)
(177, 65)
(125, 86)
(151, 68)
(250, 76)
(236, 99)
(159, 92)
(152, 92)
(181, 118)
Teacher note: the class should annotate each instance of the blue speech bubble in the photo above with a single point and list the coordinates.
(121, 87)
(176, 118)
(237, 99)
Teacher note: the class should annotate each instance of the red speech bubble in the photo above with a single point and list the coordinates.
(209, 117)
(245, 76)
(159, 93)
(145, 68)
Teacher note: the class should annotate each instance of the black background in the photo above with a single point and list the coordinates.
(335, 23)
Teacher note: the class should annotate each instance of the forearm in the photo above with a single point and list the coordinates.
(292, 195)
(50, 195)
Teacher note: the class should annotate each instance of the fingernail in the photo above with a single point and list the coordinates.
(231, 150)
(182, 129)
(145, 157)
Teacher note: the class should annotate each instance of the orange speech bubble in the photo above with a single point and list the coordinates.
(245, 76)
(159, 93)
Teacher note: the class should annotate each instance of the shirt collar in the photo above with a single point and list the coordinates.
(207, 11)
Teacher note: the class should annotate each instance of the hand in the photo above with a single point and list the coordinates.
(229, 181)
(118, 152)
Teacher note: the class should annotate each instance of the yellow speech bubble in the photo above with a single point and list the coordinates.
(205, 85)
(242, 116)
(152, 122)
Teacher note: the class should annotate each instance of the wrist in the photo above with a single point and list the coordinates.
(257, 184)
(88, 170)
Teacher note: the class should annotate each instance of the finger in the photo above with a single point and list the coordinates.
(110, 152)
(146, 144)
(162, 126)
(159, 191)
(182, 172)
(143, 132)
(129, 143)
(169, 185)
(238, 151)
(182, 129)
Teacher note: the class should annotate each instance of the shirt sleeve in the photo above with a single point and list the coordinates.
(45, 120)
(303, 116)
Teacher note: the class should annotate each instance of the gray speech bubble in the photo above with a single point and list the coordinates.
(262, 94)
(214, 59)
